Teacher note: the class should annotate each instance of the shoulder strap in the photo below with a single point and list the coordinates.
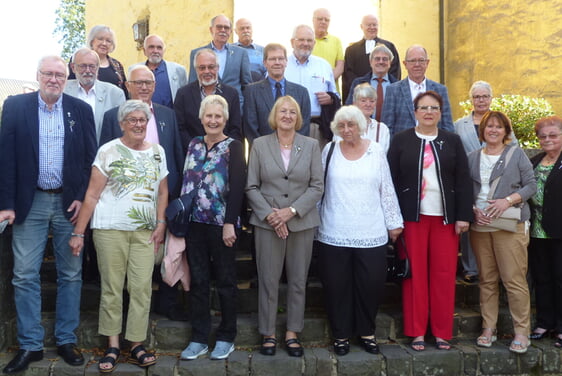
(328, 157)
(156, 152)
(494, 184)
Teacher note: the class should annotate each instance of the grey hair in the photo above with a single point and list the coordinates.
(381, 48)
(213, 99)
(137, 67)
(301, 26)
(217, 16)
(153, 36)
(52, 57)
(480, 85)
(205, 50)
(132, 105)
(84, 51)
(349, 113)
(94, 31)
(364, 90)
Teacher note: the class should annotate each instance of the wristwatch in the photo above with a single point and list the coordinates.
(293, 210)
(510, 200)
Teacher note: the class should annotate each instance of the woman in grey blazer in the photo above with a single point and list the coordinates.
(284, 184)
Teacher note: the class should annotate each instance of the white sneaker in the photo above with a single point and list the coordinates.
(222, 350)
(194, 350)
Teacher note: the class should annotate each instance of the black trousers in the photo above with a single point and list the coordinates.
(545, 262)
(353, 281)
(207, 254)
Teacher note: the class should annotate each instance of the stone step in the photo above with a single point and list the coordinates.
(396, 359)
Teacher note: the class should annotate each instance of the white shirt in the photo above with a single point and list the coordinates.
(360, 204)
(416, 88)
(89, 97)
(316, 75)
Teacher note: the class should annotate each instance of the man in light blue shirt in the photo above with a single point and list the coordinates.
(255, 51)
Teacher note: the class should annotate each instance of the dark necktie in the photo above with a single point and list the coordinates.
(278, 93)
(380, 99)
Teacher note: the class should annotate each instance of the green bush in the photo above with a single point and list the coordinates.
(523, 112)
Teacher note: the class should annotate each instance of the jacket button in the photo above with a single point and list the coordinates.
(286, 178)
(286, 195)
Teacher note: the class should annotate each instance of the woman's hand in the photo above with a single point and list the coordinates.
(279, 217)
(394, 234)
(480, 217)
(157, 236)
(282, 231)
(228, 234)
(497, 207)
(461, 226)
(76, 243)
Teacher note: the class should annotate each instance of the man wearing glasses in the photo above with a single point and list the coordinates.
(101, 96)
(188, 99)
(47, 145)
(398, 107)
(233, 61)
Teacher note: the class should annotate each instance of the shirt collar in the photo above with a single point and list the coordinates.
(252, 45)
(297, 60)
(384, 78)
(83, 91)
(43, 105)
(214, 48)
(415, 84)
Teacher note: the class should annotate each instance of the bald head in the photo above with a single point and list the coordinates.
(370, 26)
(244, 31)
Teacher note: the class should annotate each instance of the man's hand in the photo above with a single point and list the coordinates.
(323, 98)
(10, 215)
(76, 205)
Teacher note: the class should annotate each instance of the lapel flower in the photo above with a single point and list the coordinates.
(162, 124)
(71, 122)
(298, 148)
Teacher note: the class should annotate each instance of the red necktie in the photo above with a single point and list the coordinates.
(380, 98)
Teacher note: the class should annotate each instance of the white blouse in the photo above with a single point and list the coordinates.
(360, 204)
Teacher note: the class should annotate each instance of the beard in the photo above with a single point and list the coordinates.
(302, 54)
(154, 59)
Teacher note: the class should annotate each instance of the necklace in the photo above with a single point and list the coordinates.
(494, 152)
(286, 146)
(548, 160)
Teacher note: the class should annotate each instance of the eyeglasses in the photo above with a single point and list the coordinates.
(223, 27)
(428, 108)
(288, 112)
(552, 136)
(210, 67)
(381, 58)
(481, 97)
(83, 67)
(135, 121)
(106, 40)
(304, 40)
(50, 75)
(148, 83)
(417, 61)
(276, 59)
(325, 19)
(348, 124)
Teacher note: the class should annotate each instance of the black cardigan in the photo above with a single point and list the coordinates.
(552, 201)
(405, 158)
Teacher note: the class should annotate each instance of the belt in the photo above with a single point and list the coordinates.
(56, 190)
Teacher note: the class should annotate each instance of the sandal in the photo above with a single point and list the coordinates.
(341, 346)
(268, 350)
(139, 360)
(109, 359)
(558, 342)
(487, 341)
(519, 347)
(370, 345)
(296, 351)
(418, 345)
(442, 345)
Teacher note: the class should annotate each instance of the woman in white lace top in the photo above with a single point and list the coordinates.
(358, 214)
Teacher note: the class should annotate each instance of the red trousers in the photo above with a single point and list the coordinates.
(430, 294)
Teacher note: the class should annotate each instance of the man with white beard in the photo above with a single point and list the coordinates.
(101, 96)
(169, 76)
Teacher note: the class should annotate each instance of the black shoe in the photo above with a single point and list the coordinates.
(268, 350)
(370, 345)
(296, 351)
(70, 353)
(341, 346)
(22, 359)
(471, 279)
(538, 336)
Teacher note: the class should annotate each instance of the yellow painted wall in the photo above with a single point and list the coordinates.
(514, 45)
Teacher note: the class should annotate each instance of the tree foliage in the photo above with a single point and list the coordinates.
(70, 25)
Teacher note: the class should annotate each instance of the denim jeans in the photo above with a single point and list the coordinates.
(28, 243)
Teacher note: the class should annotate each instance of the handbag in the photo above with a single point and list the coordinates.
(178, 213)
(397, 262)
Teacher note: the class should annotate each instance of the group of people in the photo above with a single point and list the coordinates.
(108, 154)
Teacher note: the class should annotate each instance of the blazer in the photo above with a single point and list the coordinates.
(236, 72)
(405, 158)
(271, 186)
(258, 102)
(19, 152)
(363, 79)
(168, 136)
(356, 63)
(107, 97)
(552, 202)
(398, 108)
(177, 76)
(464, 127)
(516, 177)
(186, 107)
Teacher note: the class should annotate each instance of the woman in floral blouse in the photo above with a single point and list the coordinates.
(214, 166)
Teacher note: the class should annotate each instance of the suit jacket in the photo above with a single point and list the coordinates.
(398, 108)
(258, 101)
(19, 152)
(271, 186)
(236, 72)
(551, 205)
(168, 136)
(356, 63)
(177, 76)
(186, 106)
(107, 97)
(363, 79)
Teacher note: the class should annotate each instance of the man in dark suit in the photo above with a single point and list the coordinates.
(398, 107)
(162, 129)
(356, 59)
(260, 96)
(47, 145)
(233, 61)
(379, 78)
(188, 99)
